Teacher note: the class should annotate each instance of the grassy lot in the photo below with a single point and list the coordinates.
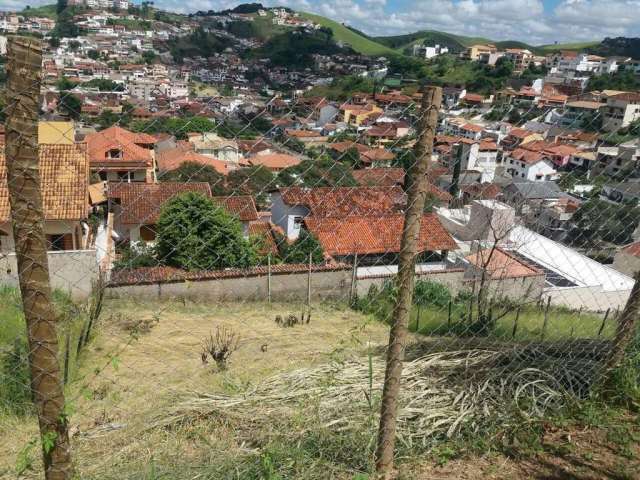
(144, 364)
(569, 46)
(130, 375)
(562, 323)
(343, 34)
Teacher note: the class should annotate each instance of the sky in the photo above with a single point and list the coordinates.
(533, 21)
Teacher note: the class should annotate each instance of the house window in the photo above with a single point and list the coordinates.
(148, 233)
(297, 223)
(124, 176)
(63, 241)
(539, 176)
(114, 153)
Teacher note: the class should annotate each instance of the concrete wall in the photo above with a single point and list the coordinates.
(588, 298)
(284, 287)
(73, 271)
(626, 263)
(452, 278)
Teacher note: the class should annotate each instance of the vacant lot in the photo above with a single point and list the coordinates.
(145, 362)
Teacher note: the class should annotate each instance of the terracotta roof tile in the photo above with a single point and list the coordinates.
(379, 177)
(346, 201)
(375, 235)
(64, 182)
(274, 161)
(501, 264)
(242, 206)
(140, 203)
(99, 145)
(264, 231)
(173, 158)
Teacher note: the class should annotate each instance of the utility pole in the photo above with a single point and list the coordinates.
(23, 178)
(416, 196)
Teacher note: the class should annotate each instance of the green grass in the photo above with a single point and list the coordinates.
(48, 11)
(562, 323)
(568, 46)
(11, 317)
(343, 34)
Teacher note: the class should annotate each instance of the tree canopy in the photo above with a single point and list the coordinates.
(194, 233)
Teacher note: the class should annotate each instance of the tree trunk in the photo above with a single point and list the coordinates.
(23, 178)
(625, 331)
(416, 195)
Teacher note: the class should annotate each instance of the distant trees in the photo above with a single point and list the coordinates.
(298, 252)
(621, 80)
(322, 172)
(70, 105)
(193, 233)
(256, 180)
(195, 172)
(598, 221)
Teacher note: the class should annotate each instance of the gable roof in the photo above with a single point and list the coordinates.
(346, 201)
(64, 182)
(117, 138)
(375, 235)
(140, 203)
(173, 158)
(241, 206)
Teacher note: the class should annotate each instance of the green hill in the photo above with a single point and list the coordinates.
(48, 11)
(343, 34)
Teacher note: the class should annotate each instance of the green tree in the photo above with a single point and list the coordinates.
(195, 172)
(323, 172)
(93, 54)
(256, 180)
(65, 84)
(299, 250)
(70, 105)
(196, 234)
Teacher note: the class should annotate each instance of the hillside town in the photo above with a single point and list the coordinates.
(135, 107)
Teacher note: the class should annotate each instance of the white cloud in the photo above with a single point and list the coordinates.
(525, 20)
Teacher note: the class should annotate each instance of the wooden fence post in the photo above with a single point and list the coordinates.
(353, 293)
(515, 324)
(604, 322)
(269, 278)
(417, 184)
(25, 198)
(543, 333)
(309, 284)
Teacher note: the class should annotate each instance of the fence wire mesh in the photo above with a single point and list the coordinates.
(224, 268)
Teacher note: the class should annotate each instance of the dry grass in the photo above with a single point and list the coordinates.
(126, 380)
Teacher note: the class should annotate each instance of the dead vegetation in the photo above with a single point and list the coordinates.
(219, 347)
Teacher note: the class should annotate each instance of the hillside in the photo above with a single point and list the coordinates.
(343, 34)
(48, 11)
(619, 46)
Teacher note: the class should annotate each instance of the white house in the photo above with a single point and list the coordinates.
(529, 165)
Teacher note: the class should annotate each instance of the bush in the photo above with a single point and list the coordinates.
(136, 257)
(15, 388)
(196, 234)
(305, 244)
(431, 293)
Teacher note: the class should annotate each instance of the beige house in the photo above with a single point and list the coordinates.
(620, 111)
(213, 145)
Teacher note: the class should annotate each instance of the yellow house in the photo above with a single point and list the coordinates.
(58, 133)
(357, 114)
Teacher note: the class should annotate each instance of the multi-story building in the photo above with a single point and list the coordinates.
(620, 111)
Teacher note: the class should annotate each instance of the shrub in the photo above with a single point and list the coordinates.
(15, 388)
(196, 234)
(305, 244)
(431, 293)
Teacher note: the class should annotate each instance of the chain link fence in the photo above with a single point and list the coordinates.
(223, 273)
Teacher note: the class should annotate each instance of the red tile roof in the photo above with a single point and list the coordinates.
(173, 158)
(264, 232)
(379, 177)
(140, 203)
(64, 182)
(375, 235)
(274, 161)
(241, 206)
(116, 138)
(346, 201)
(501, 264)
